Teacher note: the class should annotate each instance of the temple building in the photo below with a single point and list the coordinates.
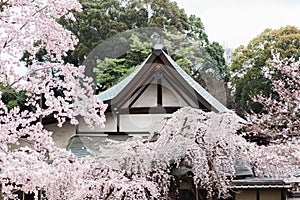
(155, 90)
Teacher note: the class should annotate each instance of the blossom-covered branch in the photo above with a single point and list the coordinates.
(27, 26)
(281, 113)
(205, 144)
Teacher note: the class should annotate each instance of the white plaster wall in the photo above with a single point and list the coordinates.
(246, 195)
(148, 98)
(61, 135)
(139, 122)
(267, 194)
(171, 98)
(110, 125)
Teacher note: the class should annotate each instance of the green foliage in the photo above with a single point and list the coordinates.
(249, 63)
(189, 54)
(110, 71)
(40, 56)
(11, 98)
(166, 14)
(101, 19)
(2, 5)
(250, 85)
(185, 37)
(197, 58)
(216, 52)
(197, 30)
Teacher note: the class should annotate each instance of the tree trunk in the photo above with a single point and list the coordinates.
(1, 196)
(197, 195)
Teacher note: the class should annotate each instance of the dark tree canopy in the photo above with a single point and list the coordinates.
(184, 35)
(249, 63)
(13, 98)
(102, 19)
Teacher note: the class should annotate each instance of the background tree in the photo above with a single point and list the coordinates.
(192, 55)
(276, 128)
(12, 99)
(133, 14)
(102, 19)
(280, 117)
(110, 71)
(249, 64)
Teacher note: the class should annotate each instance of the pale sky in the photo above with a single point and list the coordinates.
(236, 22)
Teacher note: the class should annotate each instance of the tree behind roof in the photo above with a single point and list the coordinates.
(250, 62)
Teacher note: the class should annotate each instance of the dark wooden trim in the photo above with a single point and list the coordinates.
(180, 83)
(76, 128)
(185, 87)
(283, 194)
(136, 82)
(257, 194)
(159, 92)
(144, 88)
(1, 193)
(176, 90)
(118, 122)
(146, 110)
(170, 73)
(190, 92)
(134, 89)
(95, 134)
(148, 79)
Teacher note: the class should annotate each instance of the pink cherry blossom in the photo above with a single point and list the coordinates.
(280, 116)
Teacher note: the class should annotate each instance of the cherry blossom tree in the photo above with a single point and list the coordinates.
(277, 160)
(278, 125)
(281, 115)
(204, 143)
(144, 173)
(29, 25)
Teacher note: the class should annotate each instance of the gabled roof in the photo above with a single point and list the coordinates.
(198, 88)
(116, 89)
(167, 60)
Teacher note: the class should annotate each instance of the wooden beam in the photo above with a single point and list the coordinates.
(139, 79)
(159, 92)
(118, 121)
(143, 89)
(149, 110)
(96, 134)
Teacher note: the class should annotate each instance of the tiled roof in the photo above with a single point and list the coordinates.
(254, 182)
(218, 106)
(114, 91)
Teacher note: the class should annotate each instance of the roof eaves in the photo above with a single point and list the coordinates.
(116, 89)
(217, 105)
